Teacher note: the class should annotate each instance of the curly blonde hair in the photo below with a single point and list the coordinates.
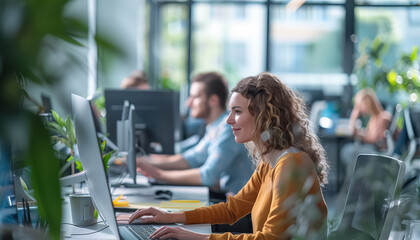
(280, 120)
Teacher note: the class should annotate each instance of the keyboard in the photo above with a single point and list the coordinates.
(142, 231)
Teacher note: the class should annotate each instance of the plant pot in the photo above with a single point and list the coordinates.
(82, 209)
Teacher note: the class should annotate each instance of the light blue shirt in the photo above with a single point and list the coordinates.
(220, 159)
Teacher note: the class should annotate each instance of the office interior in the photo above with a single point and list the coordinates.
(325, 50)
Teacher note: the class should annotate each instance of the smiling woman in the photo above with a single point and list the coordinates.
(284, 194)
(240, 118)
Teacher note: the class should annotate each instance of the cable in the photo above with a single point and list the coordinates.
(119, 181)
(78, 234)
(82, 226)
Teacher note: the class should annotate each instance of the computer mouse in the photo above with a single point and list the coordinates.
(163, 194)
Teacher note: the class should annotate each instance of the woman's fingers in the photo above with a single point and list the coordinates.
(176, 233)
(161, 232)
(142, 212)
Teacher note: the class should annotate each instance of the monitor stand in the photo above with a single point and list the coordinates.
(141, 182)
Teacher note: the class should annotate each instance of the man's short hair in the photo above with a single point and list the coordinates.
(136, 79)
(216, 84)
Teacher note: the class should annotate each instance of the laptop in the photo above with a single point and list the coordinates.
(96, 182)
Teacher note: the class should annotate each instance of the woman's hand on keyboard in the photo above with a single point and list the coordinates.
(154, 215)
(177, 233)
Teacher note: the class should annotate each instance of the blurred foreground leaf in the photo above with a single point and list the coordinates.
(44, 175)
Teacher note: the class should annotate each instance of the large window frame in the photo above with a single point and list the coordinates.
(349, 31)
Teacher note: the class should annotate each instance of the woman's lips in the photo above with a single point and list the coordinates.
(235, 130)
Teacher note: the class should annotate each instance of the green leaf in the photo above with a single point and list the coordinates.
(392, 77)
(413, 55)
(106, 158)
(25, 187)
(69, 159)
(103, 144)
(79, 166)
(70, 132)
(55, 128)
(44, 175)
(58, 119)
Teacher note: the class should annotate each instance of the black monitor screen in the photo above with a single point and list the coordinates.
(8, 213)
(156, 117)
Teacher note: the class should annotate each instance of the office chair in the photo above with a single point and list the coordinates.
(371, 201)
(412, 121)
(390, 132)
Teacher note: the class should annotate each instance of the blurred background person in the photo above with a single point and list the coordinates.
(367, 104)
(216, 160)
(136, 80)
(370, 139)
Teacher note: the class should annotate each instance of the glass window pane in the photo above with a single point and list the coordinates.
(230, 1)
(229, 39)
(386, 2)
(308, 40)
(172, 52)
(396, 27)
(301, 2)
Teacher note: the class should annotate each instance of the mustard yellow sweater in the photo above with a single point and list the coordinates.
(284, 201)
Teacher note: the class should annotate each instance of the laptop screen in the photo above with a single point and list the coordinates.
(90, 157)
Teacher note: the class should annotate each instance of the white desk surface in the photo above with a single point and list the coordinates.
(132, 194)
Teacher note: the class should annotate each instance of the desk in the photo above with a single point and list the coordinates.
(333, 144)
(138, 195)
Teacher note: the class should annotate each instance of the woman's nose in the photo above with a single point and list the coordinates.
(229, 120)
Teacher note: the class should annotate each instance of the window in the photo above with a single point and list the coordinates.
(309, 40)
(172, 52)
(318, 39)
(228, 42)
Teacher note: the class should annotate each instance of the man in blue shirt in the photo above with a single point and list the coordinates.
(217, 160)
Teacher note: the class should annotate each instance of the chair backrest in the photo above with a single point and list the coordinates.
(390, 132)
(372, 199)
(412, 123)
(412, 120)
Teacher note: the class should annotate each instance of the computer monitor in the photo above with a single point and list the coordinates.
(131, 151)
(17, 204)
(8, 213)
(122, 138)
(127, 142)
(157, 122)
(46, 103)
(90, 156)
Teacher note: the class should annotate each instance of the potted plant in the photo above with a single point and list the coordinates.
(27, 29)
(63, 132)
(401, 76)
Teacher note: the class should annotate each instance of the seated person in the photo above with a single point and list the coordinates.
(136, 80)
(217, 160)
(284, 193)
(372, 138)
(367, 104)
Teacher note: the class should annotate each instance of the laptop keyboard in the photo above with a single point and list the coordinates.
(142, 231)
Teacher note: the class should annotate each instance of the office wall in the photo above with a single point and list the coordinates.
(69, 63)
(116, 21)
(120, 22)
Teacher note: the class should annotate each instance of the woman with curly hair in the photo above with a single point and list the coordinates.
(284, 194)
